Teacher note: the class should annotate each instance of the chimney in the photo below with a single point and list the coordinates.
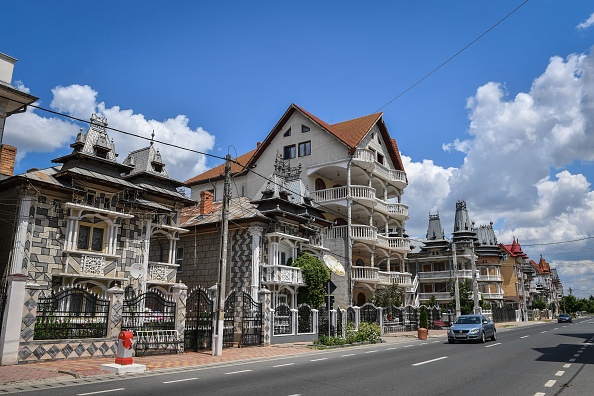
(206, 198)
(6, 68)
(7, 158)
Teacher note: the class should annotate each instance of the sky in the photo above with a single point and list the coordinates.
(505, 123)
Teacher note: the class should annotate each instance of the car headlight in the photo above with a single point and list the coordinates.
(474, 331)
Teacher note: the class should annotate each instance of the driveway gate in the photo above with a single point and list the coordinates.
(251, 321)
(198, 332)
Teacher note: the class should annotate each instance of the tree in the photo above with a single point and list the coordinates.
(432, 301)
(423, 318)
(315, 274)
(539, 304)
(391, 296)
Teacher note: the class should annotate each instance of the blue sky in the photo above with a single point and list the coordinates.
(506, 125)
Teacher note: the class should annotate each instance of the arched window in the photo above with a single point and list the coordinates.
(320, 184)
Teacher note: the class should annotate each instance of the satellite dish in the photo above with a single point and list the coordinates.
(334, 265)
(136, 270)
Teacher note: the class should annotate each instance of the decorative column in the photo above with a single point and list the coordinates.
(21, 246)
(146, 244)
(180, 295)
(11, 322)
(256, 233)
(116, 306)
(267, 316)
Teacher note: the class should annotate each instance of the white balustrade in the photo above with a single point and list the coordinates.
(363, 273)
(282, 274)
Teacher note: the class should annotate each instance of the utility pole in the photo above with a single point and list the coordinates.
(456, 286)
(475, 292)
(217, 347)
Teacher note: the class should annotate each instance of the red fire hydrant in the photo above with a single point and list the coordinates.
(124, 349)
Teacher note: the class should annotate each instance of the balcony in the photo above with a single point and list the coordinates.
(445, 274)
(369, 235)
(366, 274)
(366, 159)
(158, 272)
(489, 278)
(89, 264)
(440, 296)
(403, 279)
(365, 196)
(492, 296)
(282, 275)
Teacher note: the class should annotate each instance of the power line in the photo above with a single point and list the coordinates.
(452, 57)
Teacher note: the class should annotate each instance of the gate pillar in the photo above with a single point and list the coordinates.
(11, 322)
(116, 305)
(264, 297)
(180, 295)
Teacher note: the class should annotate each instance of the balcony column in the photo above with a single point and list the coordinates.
(372, 258)
(388, 264)
(273, 251)
(21, 247)
(256, 233)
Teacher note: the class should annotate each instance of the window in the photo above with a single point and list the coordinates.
(287, 133)
(289, 152)
(90, 238)
(304, 148)
(179, 258)
(304, 129)
(380, 158)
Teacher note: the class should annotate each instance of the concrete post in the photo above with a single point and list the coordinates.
(13, 317)
(295, 321)
(380, 312)
(116, 306)
(315, 321)
(357, 317)
(180, 295)
(267, 317)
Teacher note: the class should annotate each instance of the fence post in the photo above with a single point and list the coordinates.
(180, 295)
(295, 321)
(13, 317)
(357, 317)
(267, 316)
(380, 312)
(333, 322)
(116, 306)
(315, 321)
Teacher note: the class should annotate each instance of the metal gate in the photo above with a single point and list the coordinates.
(148, 311)
(229, 321)
(251, 322)
(199, 316)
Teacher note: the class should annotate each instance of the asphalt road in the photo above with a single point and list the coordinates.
(545, 359)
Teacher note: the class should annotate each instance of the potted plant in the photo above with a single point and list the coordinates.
(423, 324)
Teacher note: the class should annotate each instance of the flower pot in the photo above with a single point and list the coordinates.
(422, 333)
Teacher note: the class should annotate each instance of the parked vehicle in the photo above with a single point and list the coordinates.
(472, 327)
(564, 318)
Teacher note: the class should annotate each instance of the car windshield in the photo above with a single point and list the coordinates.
(468, 320)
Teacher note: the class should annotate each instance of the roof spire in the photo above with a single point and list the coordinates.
(153, 137)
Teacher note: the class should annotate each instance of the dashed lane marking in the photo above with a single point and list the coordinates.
(430, 361)
(237, 372)
(572, 360)
(559, 373)
(371, 352)
(103, 391)
(567, 365)
(350, 354)
(317, 360)
(550, 383)
(526, 336)
(283, 365)
(492, 345)
(179, 380)
(539, 394)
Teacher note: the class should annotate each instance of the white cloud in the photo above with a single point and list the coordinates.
(516, 170)
(587, 23)
(30, 131)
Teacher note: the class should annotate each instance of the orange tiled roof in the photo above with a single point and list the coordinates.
(349, 132)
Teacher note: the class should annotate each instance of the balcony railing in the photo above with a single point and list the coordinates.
(282, 275)
(366, 156)
(397, 278)
(492, 296)
(489, 278)
(438, 296)
(161, 272)
(370, 234)
(362, 273)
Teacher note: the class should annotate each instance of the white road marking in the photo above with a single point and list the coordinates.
(406, 346)
(317, 360)
(350, 354)
(180, 380)
(436, 341)
(567, 365)
(556, 328)
(539, 394)
(237, 372)
(103, 391)
(572, 360)
(576, 355)
(296, 394)
(389, 349)
(430, 361)
(559, 373)
(492, 345)
(283, 365)
(543, 332)
(370, 351)
(526, 336)
(550, 383)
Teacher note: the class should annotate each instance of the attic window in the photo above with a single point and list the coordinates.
(287, 133)
(101, 153)
(158, 168)
(304, 129)
(380, 158)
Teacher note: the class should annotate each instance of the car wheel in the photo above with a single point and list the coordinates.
(482, 340)
(494, 337)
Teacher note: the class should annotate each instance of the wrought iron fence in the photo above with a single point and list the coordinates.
(71, 313)
(229, 321)
(369, 313)
(305, 318)
(199, 315)
(148, 311)
(505, 314)
(251, 321)
(400, 319)
(283, 320)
